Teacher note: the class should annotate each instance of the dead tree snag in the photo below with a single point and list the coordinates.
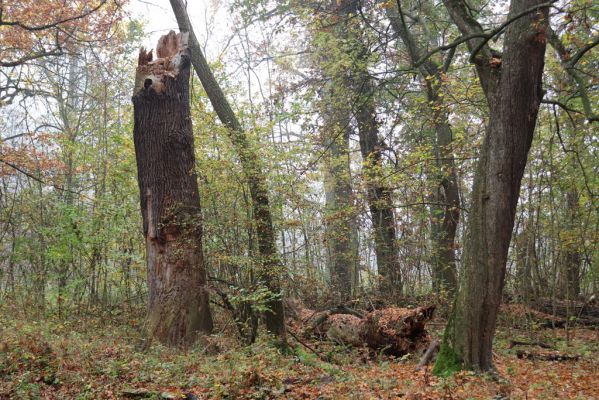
(178, 305)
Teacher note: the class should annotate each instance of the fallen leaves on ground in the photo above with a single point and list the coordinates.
(91, 359)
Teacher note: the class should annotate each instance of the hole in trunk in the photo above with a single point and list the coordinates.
(147, 83)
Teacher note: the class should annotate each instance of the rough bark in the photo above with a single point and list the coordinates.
(178, 305)
(271, 267)
(395, 331)
(446, 217)
(513, 92)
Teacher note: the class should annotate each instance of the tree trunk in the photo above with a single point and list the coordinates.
(513, 91)
(446, 214)
(355, 95)
(380, 201)
(336, 111)
(447, 196)
(570, 263)
(272, 269)
(525, 257)
(340, 210)
(170, 203)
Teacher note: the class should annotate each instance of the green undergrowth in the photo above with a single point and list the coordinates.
(101, 358)
(88, 359)
(448, 362)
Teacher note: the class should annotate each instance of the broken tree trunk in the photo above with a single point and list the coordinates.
(170, 203)
(394, 331)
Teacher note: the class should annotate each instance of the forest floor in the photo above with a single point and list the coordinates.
(105, 358)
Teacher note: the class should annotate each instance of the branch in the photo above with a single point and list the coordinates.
(23, 60)
(448, 59)
(576, 57)
(53, 24)
(501, 27)
(472, 33)
(449, 46)
(560, 105)
(40, 180)
(578, 78)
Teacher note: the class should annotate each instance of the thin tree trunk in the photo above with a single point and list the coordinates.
(513, 91)
(178, 301)
(446, 217)
(570, 287)
(379, 195)
(272, 269)
(336, 110)
(339, 199)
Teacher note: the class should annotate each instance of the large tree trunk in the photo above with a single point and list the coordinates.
(513, 91)
(178, 301)
(446, 213)
(271, 268)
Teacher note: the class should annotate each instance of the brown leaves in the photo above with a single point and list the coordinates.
(33, 29)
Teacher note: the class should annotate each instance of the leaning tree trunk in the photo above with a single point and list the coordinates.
(272, 269)
(170, 203)
(513, 91)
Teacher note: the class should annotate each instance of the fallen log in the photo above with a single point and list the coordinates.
(525, 343)
(523, 313)
(577, 312)
(393, 331)
(149, 394)
(554, 356)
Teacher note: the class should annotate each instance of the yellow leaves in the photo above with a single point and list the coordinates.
(387, 4)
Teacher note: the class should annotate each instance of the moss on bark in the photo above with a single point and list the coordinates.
(448, 361)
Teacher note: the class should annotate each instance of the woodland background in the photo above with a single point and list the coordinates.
(304, 80)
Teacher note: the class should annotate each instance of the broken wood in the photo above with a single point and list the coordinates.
(561, 313)
(525, 343)
(393, 331)
(546, 356)
(178, 300)
(149, 394)
(549, 320)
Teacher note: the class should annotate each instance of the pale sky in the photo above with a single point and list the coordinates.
(209, 19)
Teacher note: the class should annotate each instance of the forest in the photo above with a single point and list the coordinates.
(299, 199)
